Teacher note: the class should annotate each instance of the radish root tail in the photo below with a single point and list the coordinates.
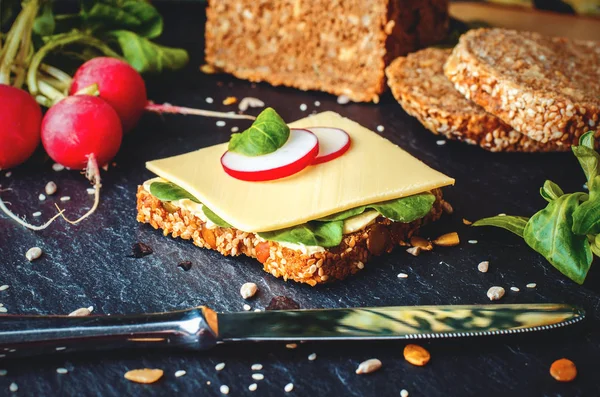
(22, 222)
(92, 173)
(168, 108)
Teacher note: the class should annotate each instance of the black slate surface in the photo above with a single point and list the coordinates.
(88, 265)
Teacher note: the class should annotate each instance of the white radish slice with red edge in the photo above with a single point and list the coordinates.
(333, 142)
(296, 154)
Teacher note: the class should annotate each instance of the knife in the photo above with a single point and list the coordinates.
(201, 328)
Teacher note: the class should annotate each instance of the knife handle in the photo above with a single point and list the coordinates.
(195, 329)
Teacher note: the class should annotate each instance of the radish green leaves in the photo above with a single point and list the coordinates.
(567, 231)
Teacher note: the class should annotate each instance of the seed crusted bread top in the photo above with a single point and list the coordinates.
(545, 87)
(418, 83)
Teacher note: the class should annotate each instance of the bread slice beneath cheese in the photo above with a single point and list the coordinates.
(372, 171)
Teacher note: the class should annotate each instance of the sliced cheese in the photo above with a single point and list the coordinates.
(372, 170)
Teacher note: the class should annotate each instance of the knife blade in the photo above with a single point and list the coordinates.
(201, 328)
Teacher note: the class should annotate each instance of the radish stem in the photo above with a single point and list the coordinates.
(50, 92)
(20, 221)
(168, 108)
(92, 173)
(57, 74)
(66, 39)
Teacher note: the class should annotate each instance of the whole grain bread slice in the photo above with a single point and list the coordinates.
(311, 268)
(419, 85)
(545, 87)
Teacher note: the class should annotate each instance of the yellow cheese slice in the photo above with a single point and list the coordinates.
(372, 170)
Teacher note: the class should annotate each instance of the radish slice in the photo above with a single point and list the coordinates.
(298, 153)
(333, 142)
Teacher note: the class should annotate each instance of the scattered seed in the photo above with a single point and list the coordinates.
(235, 129)
(343, 99)
(414, 251)
(251, 102)
(380, 128)
(4, 287)
(312, 356)
(447, 240)
(8, 174)
(145, 375)
(185, 265)
(416, 355)
(256, 367)
(403, 393)
(514, 289)
(58, 167)
(585, 186)
(303, 107)
(441, 142)
(230, 100)
(13, 387)
(421, 242)
(253, 387)
(209, 100)
(42, 197)
(180, 373)
(208, 382)
(221, 123)
(33, 253)
(258, 376)
(65, 198)
(368, 366)
(61, 371)
(531, 285)
(224, 389)
(257, 310)
(291, 346)
(402, 275)
(467, 222)
(317, 103)
(81, 312)
(248, 290)
(502, 214)
(91, 190)
(3, 372)
(563, 370)
(247, 307)
(36, 214)
(495, 293)
(220, 366)
(50, 188)
(473, 241)
(139, 250)
(60, 348)
(90, 308)
(283, 303)
(3, 310)
(289, 387)
(483, 267)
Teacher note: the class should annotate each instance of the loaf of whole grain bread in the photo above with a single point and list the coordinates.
(341, 47)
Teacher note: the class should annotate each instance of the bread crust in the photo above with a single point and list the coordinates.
(419, 85)
(333, 264)
(336, 47)
(546, 88)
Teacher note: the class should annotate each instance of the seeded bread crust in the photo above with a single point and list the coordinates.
(338, 47)
(333, 264)
(546, 88)
(419, 85)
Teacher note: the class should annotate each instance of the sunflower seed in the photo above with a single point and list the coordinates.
(81, 312)
(483, 267)
(368, 366)
(33, 253)
(248, 290)
(495, 293)
(50, 188)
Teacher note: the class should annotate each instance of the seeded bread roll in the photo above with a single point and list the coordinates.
(419, 85)
(340, 47)
(546, 88)
(328, 265)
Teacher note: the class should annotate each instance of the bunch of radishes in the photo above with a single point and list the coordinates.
(84, 130)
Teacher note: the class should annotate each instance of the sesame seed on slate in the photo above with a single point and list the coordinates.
(472, 241)
(180, 373)
(317, 103)
(221, 123)
(258, 376)
(247, 307)
(531, 285)
(303, 107)
(61, 371)
(289, 387)
(253, 387)
(402, 275)
(13, 387)
(256, 367)
(3, 372)
(235, 129)
(312, 356)
(42, 197)
(380, 128)
(209, 100)
(220, 366)
(58, 167)
(441, 142)
(224, 389)
(37, 213)
(4, 287)
(515, 289)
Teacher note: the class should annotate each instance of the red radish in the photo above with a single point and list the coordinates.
(78, 126)
(20, 118)
(123, 88)
(333, 142)
(118, 83)
(297, 153)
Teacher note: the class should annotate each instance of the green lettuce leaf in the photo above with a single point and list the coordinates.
(515, 224)
(268, 133)
(586, 217)
(550, 191)
(137, 16)
(214, 218)
(404, 209)
(167, 191)
(324, 234)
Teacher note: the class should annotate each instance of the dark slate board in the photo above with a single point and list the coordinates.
(89, 265)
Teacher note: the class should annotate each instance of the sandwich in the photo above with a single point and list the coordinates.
(312, 201)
